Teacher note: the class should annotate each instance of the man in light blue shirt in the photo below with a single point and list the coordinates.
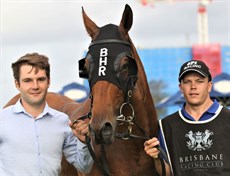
(33, 136)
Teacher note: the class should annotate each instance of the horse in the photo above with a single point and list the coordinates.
(122, 113)
(120, 106)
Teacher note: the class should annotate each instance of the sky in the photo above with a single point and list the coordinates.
(55, 28)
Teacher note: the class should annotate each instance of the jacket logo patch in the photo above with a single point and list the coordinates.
(199, 140)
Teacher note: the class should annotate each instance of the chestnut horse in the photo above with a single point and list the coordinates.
(120, 107)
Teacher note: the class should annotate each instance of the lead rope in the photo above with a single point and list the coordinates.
(102, 164)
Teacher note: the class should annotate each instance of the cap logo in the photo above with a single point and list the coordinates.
(192, 64)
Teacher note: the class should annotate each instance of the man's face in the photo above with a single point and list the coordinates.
(195, 88)
(33, 87)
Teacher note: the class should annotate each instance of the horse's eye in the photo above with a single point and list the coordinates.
(123, 72)
(124, 67)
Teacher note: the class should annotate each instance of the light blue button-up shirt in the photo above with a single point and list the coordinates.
(34, 147)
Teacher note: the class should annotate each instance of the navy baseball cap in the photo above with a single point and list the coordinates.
(195, 66)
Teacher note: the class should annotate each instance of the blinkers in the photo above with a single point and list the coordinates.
(109, 60)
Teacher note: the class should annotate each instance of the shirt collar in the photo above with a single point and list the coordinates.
(18, 108)
(206, 115)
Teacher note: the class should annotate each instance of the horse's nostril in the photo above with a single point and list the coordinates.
(107, 133)
(104, 135)
(107, 129)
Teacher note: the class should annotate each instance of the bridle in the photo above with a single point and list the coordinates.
(128, 92)
(129, 120)
(121, 118)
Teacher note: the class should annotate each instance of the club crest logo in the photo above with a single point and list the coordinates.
(199, 140)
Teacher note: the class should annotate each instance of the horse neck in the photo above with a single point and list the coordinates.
(146, 115)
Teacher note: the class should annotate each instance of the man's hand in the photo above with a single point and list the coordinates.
(80, 128)
(150, 147)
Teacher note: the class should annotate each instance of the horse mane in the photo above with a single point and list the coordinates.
(142, 78)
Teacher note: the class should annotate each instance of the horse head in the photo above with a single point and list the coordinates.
(112, 67)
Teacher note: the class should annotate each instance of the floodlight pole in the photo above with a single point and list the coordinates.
(203, 22)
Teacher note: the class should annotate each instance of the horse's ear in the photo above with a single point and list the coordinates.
(127, 19)
(90, 26)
